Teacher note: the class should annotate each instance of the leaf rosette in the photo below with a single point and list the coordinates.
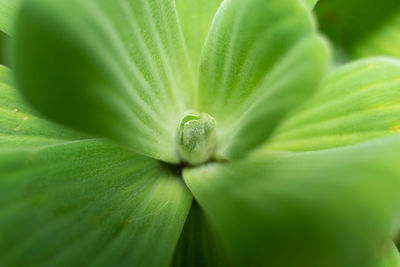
(128, 110)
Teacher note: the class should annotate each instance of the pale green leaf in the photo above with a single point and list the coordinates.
(8, 12)
(260, 60)
(68, 201)
(195, 17)
(355, 103)
(117, 69)
(331, 208)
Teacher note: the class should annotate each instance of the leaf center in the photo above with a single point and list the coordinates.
(196, 138)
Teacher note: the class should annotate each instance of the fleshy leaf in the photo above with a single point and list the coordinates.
(8, 12)
(80, 202)
(357, 102)
(360, 28)
(331, 208)
(117, 69)
(261, 58)
(195, 17)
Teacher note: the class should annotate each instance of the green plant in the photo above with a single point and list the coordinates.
(291, 162)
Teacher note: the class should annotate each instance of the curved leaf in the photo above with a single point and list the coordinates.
(195, 17)
(357, 102)
(117, 69)
(71, 202)
(8, 12)
(331, 208)
(261, 58)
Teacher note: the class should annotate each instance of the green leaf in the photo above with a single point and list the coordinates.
(20, 126)
(355, 103)
(331, 208)
(261, 58)
(199, 245)
(195, 17)
(360, 28)
(310, 3)
(392, 257)
(71, 202)
(383, 41)
(8, 12)
(116, 69)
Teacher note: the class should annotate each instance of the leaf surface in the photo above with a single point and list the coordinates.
(392, 257)
(116, 69)
(310, 3)
(69, 201)
(261, 58)
(331, 208)
(195, 17)
(355, 103)
(8, 12)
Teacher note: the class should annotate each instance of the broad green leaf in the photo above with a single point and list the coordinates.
(357, 102)
(195, 17)
(8, 12)
(331, 208)
(392, 257)
(360, 28)
(87, 203)
(198, 245)
(261, 58)
(117, 69)
(80, 202)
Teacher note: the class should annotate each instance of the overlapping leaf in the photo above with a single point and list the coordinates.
(260, 60)
(68, 201)
(331, 208)
(356, 102)
(199, 245)
(118, 69)
(195, 17)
